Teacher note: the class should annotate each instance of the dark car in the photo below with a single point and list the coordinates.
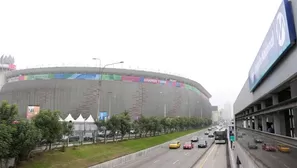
(195, 139)
(206, 133)
(258, 140)
(210, 135)
(202, 144)
(252, 146)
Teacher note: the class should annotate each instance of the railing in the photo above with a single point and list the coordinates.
(279, 151)
(276, 137)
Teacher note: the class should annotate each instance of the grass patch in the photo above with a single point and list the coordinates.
(88, 155)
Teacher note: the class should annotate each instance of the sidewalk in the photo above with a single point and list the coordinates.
(232, 155)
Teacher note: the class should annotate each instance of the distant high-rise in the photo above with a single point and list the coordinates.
(226, 114)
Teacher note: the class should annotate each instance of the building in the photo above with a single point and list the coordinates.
(227, 113)
(74, 90)
(266, 107)
(215, 114)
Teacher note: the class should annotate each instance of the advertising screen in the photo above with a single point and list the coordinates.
(130, 78)
(103, 115)
(279, 38)
(150, 80)
(32, 111)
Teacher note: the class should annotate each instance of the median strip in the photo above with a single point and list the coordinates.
(88, 155)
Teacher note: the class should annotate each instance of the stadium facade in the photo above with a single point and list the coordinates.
(74, 90)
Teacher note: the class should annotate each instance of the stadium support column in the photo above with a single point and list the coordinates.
(293, 88)
(264, 123)
(256, 120)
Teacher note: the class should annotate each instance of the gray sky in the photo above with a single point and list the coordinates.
(212, 42)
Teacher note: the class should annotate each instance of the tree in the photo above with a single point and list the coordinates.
(101, 126)
(8, 113)
(124, 127)
(5, 143)
(50, 126)
(25, 136)
(113, 124)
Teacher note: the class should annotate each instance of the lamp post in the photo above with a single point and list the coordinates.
(101, 69)
(165, 106)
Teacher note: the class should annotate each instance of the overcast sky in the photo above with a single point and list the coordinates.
(212, 42)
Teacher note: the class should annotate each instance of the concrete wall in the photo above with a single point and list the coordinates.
(80, 97)
(285, 69)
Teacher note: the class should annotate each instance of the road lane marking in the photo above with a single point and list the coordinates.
(186, 153)
(286, 166)
(156, 161)
(204, 161)
(273, 156)
(175, 161)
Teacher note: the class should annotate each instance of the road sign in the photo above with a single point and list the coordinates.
(232, 138)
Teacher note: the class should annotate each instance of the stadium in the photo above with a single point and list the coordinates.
(74, 90)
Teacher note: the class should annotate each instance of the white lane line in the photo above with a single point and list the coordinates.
(175, 162)
(273, 156)
(186, 153)
(156, 161)
(286, 166)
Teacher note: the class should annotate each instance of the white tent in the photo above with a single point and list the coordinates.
(69, 118)
(90, 119)
(80, 119)
(60, 119)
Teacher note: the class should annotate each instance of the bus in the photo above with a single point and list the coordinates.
(221, 136)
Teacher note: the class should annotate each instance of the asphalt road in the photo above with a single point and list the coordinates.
(215, 157)
(171, 158)
(271, 159)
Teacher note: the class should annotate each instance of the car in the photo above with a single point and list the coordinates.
(206, 133)
(195, 139)
(209, 129)
(258, 140)
(188, 145)
(174, 145)
(202, 144)
(268, 147)
(283, 148)
(252, 146)
(210, 135)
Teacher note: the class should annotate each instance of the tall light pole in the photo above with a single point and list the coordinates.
(101, 69)
(165, 106)
(109, 103)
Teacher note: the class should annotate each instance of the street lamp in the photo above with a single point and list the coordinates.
(100, 79)
(165, 105)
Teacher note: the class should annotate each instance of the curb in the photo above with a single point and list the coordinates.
(133, 156)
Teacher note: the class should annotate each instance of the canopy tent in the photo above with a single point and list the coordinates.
(90, 119)
(60, 119)
(69, 118)
(80, 119)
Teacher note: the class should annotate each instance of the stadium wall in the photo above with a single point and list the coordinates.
(75, 90)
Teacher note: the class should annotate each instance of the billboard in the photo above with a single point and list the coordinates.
(103, 115)
(279, 38)
(150, 80)
(130, 78)
(110, 77)
(32, 111)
